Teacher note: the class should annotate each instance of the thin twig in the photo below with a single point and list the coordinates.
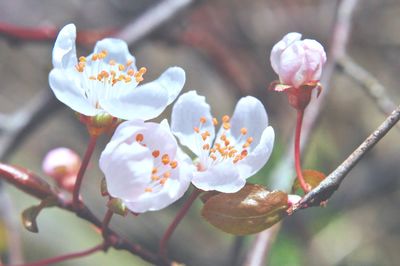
(283, 176)
(152, 19)
(332, 182)
(370, 85)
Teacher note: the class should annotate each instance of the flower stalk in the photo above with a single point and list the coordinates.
(299, 172)
(88, 154)
(178, 218)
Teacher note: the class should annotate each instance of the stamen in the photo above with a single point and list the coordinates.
(112, 62)
(167, 174)
(165, 159)
(155, 178)
(121, 67)
(173, 164)
(243, 130)
(130, 72)
(154, 171)
(139, 137)
(203, 119)
(215, 121)
(82, 59)
(196, 129)
(226, 125)
(249, 140)
(148, 189)
(225, 119)
(155, 153)
(206, 146)
(129, 62)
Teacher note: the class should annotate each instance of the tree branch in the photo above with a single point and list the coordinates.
(374, 89)
(332, 182)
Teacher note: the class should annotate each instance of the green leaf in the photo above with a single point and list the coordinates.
(312, 177)
(248, 211)
(30, 215)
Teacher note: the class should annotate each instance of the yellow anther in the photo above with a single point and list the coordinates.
(173, 164)
(246, 145)
(139, 137)
(95, 57)
(226, 125)
(130, 72)
(243, 130)
(206, 146)
(142, 70)
(165, 159)
(82, 59)
(155, 170)
(196, 129)
(121, 77)
(215, 121)
(148, 189)
(92, 78)
(121, 67)
(163, 180)
(128, 79)
(155, 153)
(203, 119)
(129, 62)
(112, 62)
(80, 66)
(155, 178)
(249, 140)
(223, 137)
(225, 118)
(232, 153)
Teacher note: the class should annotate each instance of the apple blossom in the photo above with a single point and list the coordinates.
(144, 167)
(297, 62)
(241, 147)
(106, 81)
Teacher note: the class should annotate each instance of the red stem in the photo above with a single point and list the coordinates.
(104, 225)
(62, 258)
(82, 169)
(178, 218)
(299, 122)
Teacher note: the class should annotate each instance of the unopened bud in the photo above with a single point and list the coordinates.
(60, 163)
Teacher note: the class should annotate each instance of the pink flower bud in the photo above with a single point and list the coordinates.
(61, 163)
(297, 62)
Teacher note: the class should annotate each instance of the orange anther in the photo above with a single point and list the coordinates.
(246, 145)
(227, 142)
(142, 70)
(130, 72)
(155, 178)
(225, 118)
(163, 180)
(173, 164)
(128, 79)
(203, 119)
(155, 153)
(223, 137)
(167, 174)
(155, 170)
(215, 121)
(121, 67)
(213, 156)
(139, 137)
(206, 146)
(243, 130)
(105, 74)
(95, 57)
(196, 129)
(204, 135)
(244, 153)
(92, 78)
(226, 126)
(148, 189)
(112, 62)
(249, 140)
(129, 62)
(165, 159)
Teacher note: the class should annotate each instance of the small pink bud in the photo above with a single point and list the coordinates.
(61, 163)
(298, 62)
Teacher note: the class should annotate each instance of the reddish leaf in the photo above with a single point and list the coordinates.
(248, 211)
(25, 180)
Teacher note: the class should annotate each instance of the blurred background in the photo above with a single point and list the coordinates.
(224, 47)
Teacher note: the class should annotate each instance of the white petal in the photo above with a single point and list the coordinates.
(143, 102)
(116, 50)
(66, 88)
(186, 114)
(127, 168)
(279, 47)
(172, 80)
(222, 177)
(64, 51)
(257, 158)
(250, 114)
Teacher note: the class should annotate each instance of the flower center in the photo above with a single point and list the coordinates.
(109, 72)
(225, 147)
(163, 165)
